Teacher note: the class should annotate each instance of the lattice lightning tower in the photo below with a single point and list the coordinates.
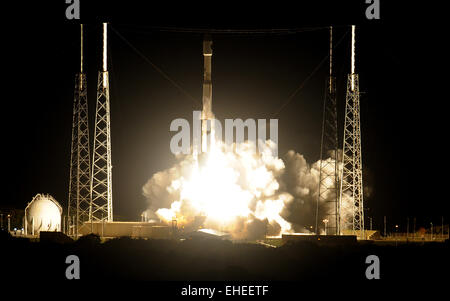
(80, 165)
(101, 208)
(351, 195)
(328, 197)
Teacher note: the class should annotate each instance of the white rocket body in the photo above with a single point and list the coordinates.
(207, 97)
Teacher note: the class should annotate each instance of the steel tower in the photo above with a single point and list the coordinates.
(80, 164)
(101, 208)
(328, 169)
(351, 180)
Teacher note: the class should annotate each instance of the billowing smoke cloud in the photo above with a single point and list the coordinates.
(302, 181)
(249, 195)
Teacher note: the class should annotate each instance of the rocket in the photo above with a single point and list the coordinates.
(207, 96)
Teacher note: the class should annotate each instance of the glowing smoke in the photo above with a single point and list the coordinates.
(247, 194)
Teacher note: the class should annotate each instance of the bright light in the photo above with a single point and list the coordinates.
(353, 58)
(105, 48)
(105, 35)
(226, 186)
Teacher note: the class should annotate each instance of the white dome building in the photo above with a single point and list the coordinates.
(43, 213)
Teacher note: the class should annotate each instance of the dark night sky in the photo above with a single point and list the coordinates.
(253, 75)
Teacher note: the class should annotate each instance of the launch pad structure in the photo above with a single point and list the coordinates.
(90, 188)
(79, 200)
(351, 190)
(341, 188)
(328, 169)
(101, 183)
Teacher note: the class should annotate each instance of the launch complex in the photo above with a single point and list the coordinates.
(90, 198)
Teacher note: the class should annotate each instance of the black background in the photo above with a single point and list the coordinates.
(400, 59)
